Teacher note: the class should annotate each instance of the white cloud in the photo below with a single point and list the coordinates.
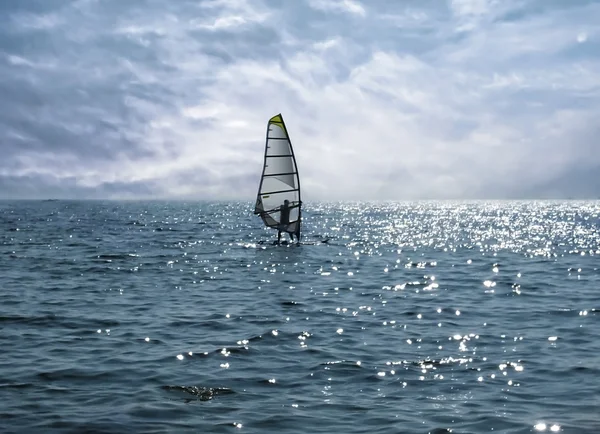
(408, 18)
(325, 45)
(345, 6)
(471, 7)
(232, 14)
(29, 21)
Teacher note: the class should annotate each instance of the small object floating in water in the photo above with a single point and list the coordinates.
(200, 393)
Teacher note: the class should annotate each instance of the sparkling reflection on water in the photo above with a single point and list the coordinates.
(414, 317)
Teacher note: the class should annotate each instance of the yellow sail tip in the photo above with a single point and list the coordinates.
(276, 119)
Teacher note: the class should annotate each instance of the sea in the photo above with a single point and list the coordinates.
(388, 317)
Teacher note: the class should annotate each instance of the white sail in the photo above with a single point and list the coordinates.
(279, 181)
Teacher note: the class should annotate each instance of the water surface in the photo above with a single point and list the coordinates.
(414, 318)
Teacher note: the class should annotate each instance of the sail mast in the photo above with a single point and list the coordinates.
(297, 179)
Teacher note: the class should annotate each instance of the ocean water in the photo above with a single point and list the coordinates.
(424, 317)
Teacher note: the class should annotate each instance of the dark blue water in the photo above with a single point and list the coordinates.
(414, 318)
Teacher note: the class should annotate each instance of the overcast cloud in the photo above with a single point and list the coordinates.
(383, 100)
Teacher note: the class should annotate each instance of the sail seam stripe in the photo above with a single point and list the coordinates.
(276, 192)
(281, 174)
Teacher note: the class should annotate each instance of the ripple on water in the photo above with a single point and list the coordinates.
(414, 317)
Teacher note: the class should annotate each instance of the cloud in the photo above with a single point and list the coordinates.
(344, 6)
(480, 99)
(232, 14)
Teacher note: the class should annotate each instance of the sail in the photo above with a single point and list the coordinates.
(279, 181)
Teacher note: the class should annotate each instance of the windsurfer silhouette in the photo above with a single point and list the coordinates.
(284, 221)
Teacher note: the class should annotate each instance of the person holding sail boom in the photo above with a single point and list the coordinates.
(284, 220)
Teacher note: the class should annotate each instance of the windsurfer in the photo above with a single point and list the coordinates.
(284, 211)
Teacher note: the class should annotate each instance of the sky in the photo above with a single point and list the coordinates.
(383, 100)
